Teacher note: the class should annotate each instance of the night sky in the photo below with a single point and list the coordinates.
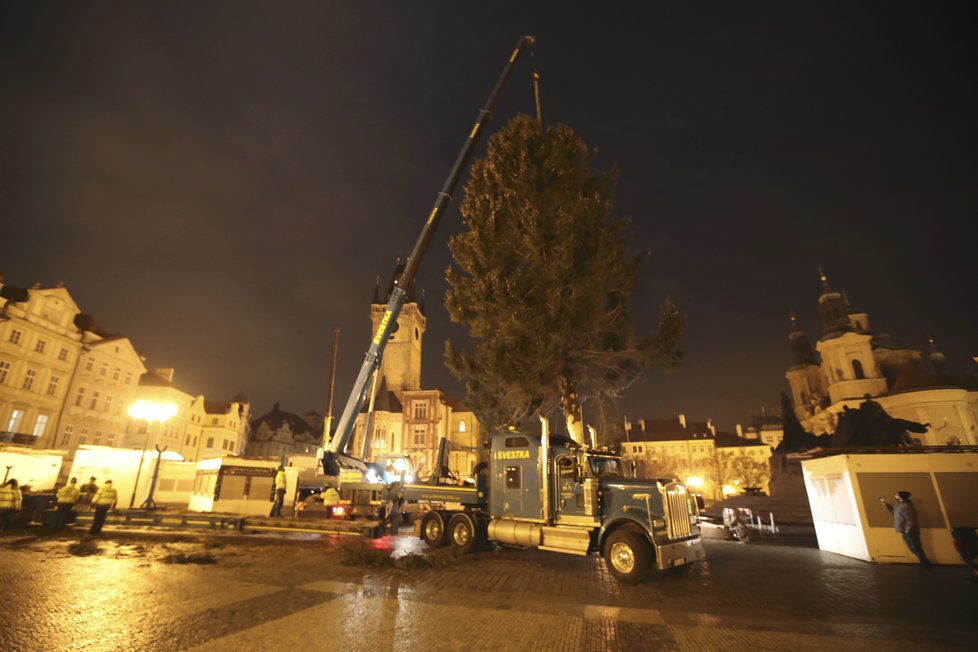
(223, 181)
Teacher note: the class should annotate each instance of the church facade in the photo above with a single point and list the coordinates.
(854, 362)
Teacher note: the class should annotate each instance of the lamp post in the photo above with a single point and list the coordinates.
(149, 411)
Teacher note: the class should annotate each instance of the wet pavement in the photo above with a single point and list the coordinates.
(143, 590)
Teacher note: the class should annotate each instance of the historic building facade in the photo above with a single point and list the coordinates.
(40, 346)
(65, 381)
(855, 361)
(403, 418)
(711, 463)
(279, 434)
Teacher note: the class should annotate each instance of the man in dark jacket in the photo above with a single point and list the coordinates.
(905, 522)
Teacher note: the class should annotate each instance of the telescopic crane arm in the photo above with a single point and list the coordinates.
(333, 455)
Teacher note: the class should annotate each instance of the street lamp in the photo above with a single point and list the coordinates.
(149, 411)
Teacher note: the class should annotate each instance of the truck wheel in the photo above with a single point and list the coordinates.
(462, 533)
(433, 529)
(628, 555)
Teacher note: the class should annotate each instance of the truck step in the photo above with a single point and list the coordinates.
(569, 551)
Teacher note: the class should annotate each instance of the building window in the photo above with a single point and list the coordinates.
(41, 425)
(420, 409)
(214, 421)
(89, 364)
(94, 400)
(857, 370)
(29, 379)
(110, 440)
(380, 438)
(15, 418)
(129, 378)
(108, 404)
(210, 442)
(116, 373)
(103, 369)
(83, 436)
(40, 346)
(420, 433)
(4, 370)
(53, 385)
(63, 354)
(79, 396)
(15, 336)
(97, 439)
(66, 436)
(461, 425)
(142, 428)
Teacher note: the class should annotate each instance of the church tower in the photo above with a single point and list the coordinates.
(805, 378)
(401, 364)
(848, 365)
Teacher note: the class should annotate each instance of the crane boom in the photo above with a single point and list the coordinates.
(333, 455)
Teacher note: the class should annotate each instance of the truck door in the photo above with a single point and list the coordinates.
(568, 491)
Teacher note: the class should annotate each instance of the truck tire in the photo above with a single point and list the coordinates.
(462, 533)
(433, 529)
(628, 555)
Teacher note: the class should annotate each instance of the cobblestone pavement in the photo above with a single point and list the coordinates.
(262, 593)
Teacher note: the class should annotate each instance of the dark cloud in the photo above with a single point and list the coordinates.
(223, 181)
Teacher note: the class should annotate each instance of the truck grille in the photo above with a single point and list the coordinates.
(676, 503)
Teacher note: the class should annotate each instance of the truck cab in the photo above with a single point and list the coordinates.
(556, 494)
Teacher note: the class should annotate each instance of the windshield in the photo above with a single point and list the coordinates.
(606, 467)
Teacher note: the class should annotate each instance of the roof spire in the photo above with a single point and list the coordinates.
(825, 280)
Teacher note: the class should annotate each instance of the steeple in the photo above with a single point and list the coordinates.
(801, 349)
(937, 358)
(833, 309)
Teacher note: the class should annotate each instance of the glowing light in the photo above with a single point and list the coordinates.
(408, 478)
(695, 481)
(399, 465)
(727, 490)
(339, 510)
(151, 411)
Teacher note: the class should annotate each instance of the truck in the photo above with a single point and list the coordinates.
(551, 492)
(540, 491)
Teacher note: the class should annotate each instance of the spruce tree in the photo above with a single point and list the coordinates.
(542, 280)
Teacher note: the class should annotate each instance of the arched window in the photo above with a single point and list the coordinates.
(857, 369)
(461, 425)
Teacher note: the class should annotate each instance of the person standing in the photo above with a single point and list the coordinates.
(68, 496)
(88, 491)
(103, 501)
(11, 501)
(905, 522)
(280, 484)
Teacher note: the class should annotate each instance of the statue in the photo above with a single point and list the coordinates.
(870, 425)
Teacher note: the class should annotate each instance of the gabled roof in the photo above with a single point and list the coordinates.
(151, 379)
(277, 417)
(217, 407)
(670, 429)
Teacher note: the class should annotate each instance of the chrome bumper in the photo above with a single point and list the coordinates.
(670, 555)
